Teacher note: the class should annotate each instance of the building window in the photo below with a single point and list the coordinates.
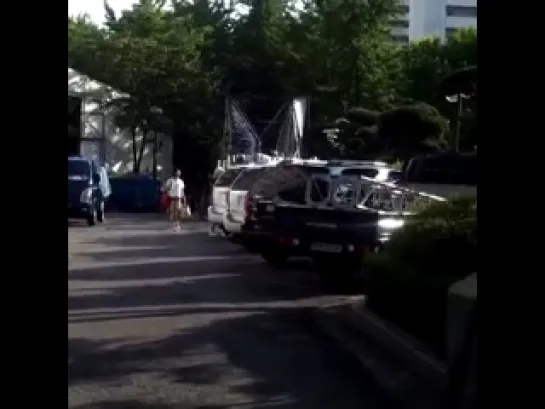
(401, 38)
(451, 30)
(462, 11)
(400, 23)
(405, 9)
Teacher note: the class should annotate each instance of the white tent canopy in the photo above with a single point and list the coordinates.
(81, 85)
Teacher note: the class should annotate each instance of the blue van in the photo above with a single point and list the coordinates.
(88, 189)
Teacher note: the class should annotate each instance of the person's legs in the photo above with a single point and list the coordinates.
(173, 211)
(178, 213)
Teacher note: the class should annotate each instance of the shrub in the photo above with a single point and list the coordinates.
(408, 282)
(440, 239)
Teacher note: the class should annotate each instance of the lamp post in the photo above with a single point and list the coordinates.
(459, 100)
(456, 87)
(155, 111)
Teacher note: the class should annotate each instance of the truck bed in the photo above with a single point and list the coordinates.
(326, 224)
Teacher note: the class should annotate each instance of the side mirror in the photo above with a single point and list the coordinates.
(96, 178)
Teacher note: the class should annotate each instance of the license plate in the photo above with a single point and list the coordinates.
(326, 247)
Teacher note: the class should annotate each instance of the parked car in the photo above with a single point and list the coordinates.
(285, 179)
(88, 189)
(442, 174)
(310, 219)
(238, 202)
(219, 201)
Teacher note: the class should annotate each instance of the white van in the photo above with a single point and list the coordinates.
(220, 195)
(239, 204)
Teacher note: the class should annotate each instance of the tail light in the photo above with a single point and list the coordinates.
(248, 207)
(361, 248)
(287, 241)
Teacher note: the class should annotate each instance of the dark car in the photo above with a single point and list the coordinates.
(286, 181)
(329, 223)
(88, 189)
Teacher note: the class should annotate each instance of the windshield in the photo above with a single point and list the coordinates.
(367, 172)
(245, 180)
(78, 170)
(227, 178)
(450, 169)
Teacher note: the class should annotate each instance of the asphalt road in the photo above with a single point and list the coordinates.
(158, 319)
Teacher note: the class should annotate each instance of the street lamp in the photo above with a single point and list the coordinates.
(331, 134)
(155, 111)
(459, 100)
(456, 87)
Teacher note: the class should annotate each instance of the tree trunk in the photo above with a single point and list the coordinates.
(138, 162)
(134, 154)
(155, 148)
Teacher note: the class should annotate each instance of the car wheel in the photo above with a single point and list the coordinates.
(275, 257)
(251, 246)
(232, 237)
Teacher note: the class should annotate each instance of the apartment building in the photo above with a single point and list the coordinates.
(424, 18)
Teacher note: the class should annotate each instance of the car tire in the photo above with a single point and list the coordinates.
(232, 237)
(251, 246)
(275, 258)
(100, 212)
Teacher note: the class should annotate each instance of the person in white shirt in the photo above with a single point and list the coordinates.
(175, 186)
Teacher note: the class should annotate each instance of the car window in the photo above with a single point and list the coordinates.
(319, 190)
(78, 169)
(395, 175)
(228, 177)
(367, 172)
(288, 182)
(295, 191)
(448, 169)
(246, 178)
(345, 193)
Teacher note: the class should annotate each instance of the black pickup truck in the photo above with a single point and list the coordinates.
(330, 233)
(332, 237)
(287, 180)
(330, 225)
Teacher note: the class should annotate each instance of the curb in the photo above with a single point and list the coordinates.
(401, 367)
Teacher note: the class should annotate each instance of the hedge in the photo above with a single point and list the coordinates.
(407, 283)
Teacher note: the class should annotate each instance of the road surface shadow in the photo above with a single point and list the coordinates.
(172, 284)
(167, 244)
(274, 357)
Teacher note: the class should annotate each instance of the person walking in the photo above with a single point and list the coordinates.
(175, 188)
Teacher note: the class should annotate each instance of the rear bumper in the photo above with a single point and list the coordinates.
(258, 237)
(230, 225)
(346, 250)
(214, 216)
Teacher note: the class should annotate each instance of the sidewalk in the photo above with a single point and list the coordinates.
(399, 365)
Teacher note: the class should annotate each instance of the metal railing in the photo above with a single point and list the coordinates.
(360, 192)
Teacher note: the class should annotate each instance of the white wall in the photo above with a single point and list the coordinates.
(429, 18)
(103, 139)
(119, 156)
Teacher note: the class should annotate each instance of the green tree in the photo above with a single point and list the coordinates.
(186, 58)
(408, 130)
(428, 61)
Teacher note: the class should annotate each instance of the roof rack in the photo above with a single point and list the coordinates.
(343, 162)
